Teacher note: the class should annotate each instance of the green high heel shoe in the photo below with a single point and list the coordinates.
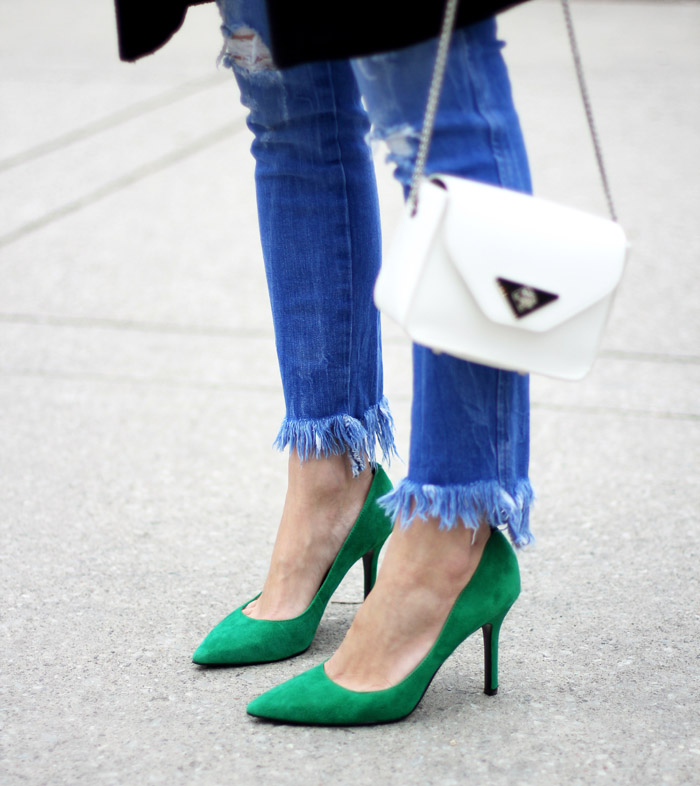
(239, 639)
(313, 698)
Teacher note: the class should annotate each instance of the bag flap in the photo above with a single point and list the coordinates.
(529, 263)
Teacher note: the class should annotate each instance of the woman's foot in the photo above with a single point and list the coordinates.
(323, 501)
(423, 572)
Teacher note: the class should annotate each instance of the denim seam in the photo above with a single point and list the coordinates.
(348, 237)
(483, 86)
(501, 428)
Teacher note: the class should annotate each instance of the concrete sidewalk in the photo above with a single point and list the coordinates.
(139, 397)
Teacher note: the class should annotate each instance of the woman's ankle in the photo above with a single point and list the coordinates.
(426, 547)
(323, 479)
(323, 501)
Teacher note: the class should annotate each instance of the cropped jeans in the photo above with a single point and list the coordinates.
(320, 232)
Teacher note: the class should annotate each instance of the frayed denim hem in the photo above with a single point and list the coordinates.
(470, 504)
(340, 434)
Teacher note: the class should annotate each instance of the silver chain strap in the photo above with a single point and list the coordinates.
(436, 82)
(587, 106)
(448, 23)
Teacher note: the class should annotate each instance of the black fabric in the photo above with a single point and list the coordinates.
(145, 25)
(305, 30)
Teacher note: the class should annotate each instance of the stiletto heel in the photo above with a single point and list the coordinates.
(239, 639)
(313, 698)
(369, 563)
(491, 633)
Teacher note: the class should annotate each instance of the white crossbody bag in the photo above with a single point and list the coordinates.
(498, 277)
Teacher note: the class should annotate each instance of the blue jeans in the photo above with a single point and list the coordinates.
(320, 232)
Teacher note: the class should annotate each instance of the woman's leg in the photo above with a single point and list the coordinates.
(319, 225)
(469, 440)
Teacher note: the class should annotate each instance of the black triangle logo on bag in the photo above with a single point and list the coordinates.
(524, 299)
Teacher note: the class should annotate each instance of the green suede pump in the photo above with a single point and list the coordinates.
(313, 698)
(239, 639)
